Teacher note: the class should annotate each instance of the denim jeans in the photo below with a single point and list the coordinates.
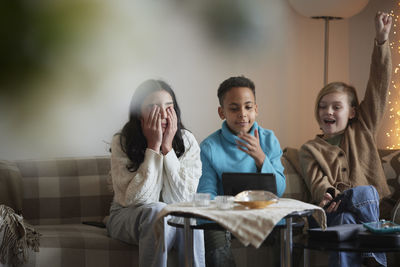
(358, 205)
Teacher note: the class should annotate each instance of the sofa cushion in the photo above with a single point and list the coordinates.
(65, 190)
(391, 166)
(11, 193)
(295, 186)
(81, 245)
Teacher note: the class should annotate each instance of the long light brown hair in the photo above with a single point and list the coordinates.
(338, 87)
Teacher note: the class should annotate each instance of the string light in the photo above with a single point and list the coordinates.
(394, 107)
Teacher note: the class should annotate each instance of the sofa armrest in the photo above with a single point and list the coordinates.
(11, 192)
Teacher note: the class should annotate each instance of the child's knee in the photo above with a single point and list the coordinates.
(154, 208)
(150, 212)
(365, 191)
(368, 191)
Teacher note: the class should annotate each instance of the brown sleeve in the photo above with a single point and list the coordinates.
(372, 108)
(315, 179)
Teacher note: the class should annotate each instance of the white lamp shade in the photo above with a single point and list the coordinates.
(331, 8)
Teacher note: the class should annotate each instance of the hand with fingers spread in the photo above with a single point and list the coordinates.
(170, 131)
(383, 23)
(328, 204)
(152, 130)
(251, 146)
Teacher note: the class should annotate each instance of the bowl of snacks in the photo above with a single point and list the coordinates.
(256, 199)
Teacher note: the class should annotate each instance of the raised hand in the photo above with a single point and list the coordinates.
(383, 23)
(170, 131)
(252, 147)
(152, 130)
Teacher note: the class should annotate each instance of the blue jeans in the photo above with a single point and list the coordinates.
(358, 205)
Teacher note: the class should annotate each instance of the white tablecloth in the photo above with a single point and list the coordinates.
(249, 226)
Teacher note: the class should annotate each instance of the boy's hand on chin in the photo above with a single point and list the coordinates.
(252, 147)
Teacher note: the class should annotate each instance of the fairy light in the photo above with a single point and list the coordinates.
(393, 134)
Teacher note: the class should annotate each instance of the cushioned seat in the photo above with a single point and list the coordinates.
(59, 194)
(81, 245)
(79, 236)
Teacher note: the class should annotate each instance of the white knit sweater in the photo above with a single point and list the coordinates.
(159, 175)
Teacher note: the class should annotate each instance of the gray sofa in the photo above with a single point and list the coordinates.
(59, 194)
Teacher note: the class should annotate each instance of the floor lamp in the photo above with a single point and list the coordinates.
(328, 10)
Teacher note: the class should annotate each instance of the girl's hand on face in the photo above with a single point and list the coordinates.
(152, 130)
(252, 147)
(170, 131)
(383, 23)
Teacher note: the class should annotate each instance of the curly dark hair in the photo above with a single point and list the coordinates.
(132, 140)
(232, 82)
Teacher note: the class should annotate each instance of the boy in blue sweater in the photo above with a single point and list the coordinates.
(241, 145)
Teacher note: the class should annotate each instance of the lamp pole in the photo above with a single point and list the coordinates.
(326, 50)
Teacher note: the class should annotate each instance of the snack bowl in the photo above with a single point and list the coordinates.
(256, 199)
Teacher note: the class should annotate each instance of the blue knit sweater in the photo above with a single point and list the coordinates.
(219, 153)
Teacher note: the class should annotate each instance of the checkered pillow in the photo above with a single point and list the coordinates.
(295, 186)
(391, 166)
(65, 190)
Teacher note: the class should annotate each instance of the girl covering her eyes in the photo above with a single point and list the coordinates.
(154, 161)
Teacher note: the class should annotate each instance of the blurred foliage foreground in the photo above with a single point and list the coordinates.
(32, 34)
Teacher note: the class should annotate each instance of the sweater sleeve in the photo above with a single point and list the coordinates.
(182, 175)
(273, 163)
(372, 108)
(316, 181)
(138, 187)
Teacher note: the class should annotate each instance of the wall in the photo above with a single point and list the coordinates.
(361, 43)
(81, 98)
